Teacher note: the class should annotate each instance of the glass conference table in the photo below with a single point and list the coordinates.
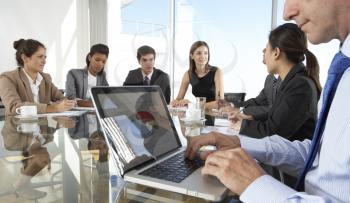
(65, 159)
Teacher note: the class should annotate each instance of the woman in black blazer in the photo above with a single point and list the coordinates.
(293, 114)
(80, 81)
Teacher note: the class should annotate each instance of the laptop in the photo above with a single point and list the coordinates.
(145, 145)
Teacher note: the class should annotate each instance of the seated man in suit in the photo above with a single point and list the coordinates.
(147, 74)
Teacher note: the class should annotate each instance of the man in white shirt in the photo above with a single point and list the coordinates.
(328, 178)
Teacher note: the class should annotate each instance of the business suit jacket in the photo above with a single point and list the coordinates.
(293, 114)
(77, 83)
(81, 129)
(260, 105)
(16, 91)
(159, 78)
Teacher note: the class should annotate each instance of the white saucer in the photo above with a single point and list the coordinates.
(27, 118)
(188, 120)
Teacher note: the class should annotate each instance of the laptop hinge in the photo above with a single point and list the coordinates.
(152, 161)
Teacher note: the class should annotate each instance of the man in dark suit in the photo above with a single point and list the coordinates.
(147, 74)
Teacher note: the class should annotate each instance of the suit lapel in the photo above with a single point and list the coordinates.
(26, 85)
(139, 77)
(43, 97)
(154, 76)
(85, 83)
(269, 89)
(296, 70)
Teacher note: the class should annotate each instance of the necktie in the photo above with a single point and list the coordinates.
(339, 64)
(146, 81)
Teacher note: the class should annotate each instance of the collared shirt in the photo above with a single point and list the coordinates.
(92, 81)
(34, 85)
(329, 179)
(149, 75)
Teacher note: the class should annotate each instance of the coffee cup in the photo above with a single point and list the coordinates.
(27, 111)
(28, 128)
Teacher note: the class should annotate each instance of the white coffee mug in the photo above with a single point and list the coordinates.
(27, 111)
(28, 128)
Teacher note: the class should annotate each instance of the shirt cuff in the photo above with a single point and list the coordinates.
(266, 189)
(255, 147)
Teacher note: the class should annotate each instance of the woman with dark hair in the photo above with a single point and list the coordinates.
(206, 80)
(294, 112)
(28, 85)
(80, 81)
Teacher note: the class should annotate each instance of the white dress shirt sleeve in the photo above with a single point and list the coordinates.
(269, 190)
(277, 151)
(329, 179)
(289, 157)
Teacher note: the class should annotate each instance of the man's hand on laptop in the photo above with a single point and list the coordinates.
(235, 168)
(221, 141)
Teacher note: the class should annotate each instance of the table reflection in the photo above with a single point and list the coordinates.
(26, 144)
(66, 159)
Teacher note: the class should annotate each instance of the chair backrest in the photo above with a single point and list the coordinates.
(234, 97)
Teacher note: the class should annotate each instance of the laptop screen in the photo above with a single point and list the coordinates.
(136, 123)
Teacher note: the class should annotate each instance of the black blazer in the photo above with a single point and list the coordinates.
(293, 114)
(159, 78)
(260, 105)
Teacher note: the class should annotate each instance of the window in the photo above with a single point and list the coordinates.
(138, 23)
(236, 32)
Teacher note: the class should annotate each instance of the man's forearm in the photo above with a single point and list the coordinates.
(276, 151)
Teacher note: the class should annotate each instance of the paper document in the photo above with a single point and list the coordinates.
(222, 122)
(224, 130)
(83, 108)
(181, 108)
(65, 113)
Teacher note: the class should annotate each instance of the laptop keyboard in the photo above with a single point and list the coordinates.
(174, 169)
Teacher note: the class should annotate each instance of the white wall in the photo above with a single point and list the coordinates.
(61, 25)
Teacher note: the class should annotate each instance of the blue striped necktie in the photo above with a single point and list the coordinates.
(339, 64)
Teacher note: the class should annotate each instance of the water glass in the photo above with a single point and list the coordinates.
(200, 104)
